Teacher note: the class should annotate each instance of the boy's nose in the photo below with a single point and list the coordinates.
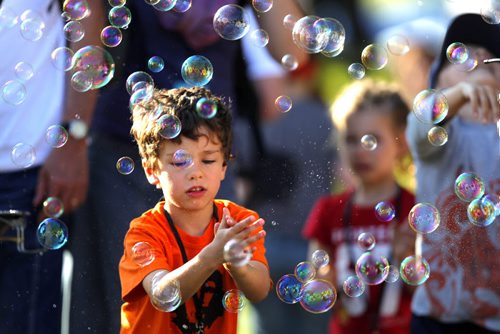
(195, 171)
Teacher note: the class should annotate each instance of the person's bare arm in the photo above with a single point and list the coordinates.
(65, 172)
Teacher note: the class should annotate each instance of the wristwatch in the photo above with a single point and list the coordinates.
(76, 128)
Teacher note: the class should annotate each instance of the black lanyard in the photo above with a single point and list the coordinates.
(198, 303)
(347, 223)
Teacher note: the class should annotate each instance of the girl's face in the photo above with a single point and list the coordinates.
(375, 166)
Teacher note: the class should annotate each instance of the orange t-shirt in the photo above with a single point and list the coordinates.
(138, 314)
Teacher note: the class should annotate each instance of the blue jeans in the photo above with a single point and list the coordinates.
(30, 284)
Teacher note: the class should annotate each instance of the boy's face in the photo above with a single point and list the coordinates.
(190, 187)
(372, 167)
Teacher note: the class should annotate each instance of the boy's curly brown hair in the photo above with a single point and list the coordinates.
(181, 103)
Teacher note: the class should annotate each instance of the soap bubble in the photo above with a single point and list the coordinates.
(366, 241)
(236, 254)
(14, 92)
(318, 296)
(234, 301)
(73, 31)
(437, 136)
(259, 37)
(414, 270)
(32, 29)
(182, 6)
(283, 103)
(170, 126)
(111, 36)
(430, 106)
(24, 71)
(166, 294)
(52, 233)
(137, 77)
(385, 211)
(142, 254)
(197, 71)
(289, 62)
(320, 258)
(398, 45)
(374, 57)
(356, 71)
(457, 53)
(335, 36)
(424, 218)
(96, 62)
(125, 165)
(289, 21)
(53, 207)
(231, 22)
(481, 213)
(372, 269)
(165, 5)
(353, 286)
(183, 159)
(289, 289)
(76, 9)
(310, 34)
(305, 271)
(369, 142)
(81, 81)
(491, 13)
(156, 64)
(23, 155)
(262, 6)
(56, 136)
(469, 186)
(62, 58)
(120, 17)
(206, 108)
(494, 200)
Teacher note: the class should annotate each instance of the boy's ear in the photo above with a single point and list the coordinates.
(224, 168)
(150, 174)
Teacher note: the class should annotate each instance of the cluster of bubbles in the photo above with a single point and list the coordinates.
(430, 106)
(481, 210)
(437, 136)
(236, 253)
(52, 233)
(53, 207)
(313, 34)
(166, 293)
(13, 92)
(385, 211)
(314, 295)
(139, 85)
(424, 218)
(125, 165)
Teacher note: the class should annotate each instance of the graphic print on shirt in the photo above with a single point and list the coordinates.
(210, 295)
(462, 258)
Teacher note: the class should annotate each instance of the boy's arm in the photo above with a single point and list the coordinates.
(252, 279)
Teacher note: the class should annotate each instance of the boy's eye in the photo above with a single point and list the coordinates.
(208, 161)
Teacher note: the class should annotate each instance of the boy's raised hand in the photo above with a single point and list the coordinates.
(484, 99)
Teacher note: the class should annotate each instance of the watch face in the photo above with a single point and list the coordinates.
(78, 129)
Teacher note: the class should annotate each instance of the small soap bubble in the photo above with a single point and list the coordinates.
(111, 36)
(140, 95)
(320, 258)
(156, 64)
(305, 271)
(356, 71)
(151, 2)
(117, 3)
(494, 200)
(183, 159)
(14, 92)
(372, 269)
(414, 270)
(74, 31)
(336, 36)
(206, 108)
(53, 207)
(62, 58)
(76, 9)
(81, 81)
(311, 34)
(24, 71)
(262, 6)
(96, 62)
(142, 254)
(289, 21)
(469, 65)
(120, 17)
(398, 45)
(165, 5)
(125, 165)
(170, 126)
(52, 233)
(318, 296)
(56, 136)
(289, 289)
(197, 70)
(491, 13)
(369, 142)
(259, 37)
(385, 211)
(481, 213)
(430, 106)
(437, 136)
(457, 53)
(469, 186)
(231, 22)
(234, 301)
(283, 103)
(236, 254)
(32, 29)
(8, 18)
(424, 218)
(289, 62)
(166, 296)
(353, 286)
(23, 155)
(182, 6)
(137, 77)
(366, 241)
(393, 275)
(374, 57)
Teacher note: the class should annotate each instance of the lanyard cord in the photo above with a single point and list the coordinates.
(347, 224)
(198, 303)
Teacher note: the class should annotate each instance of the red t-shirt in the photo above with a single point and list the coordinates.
(138, 315)
(325, 224)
